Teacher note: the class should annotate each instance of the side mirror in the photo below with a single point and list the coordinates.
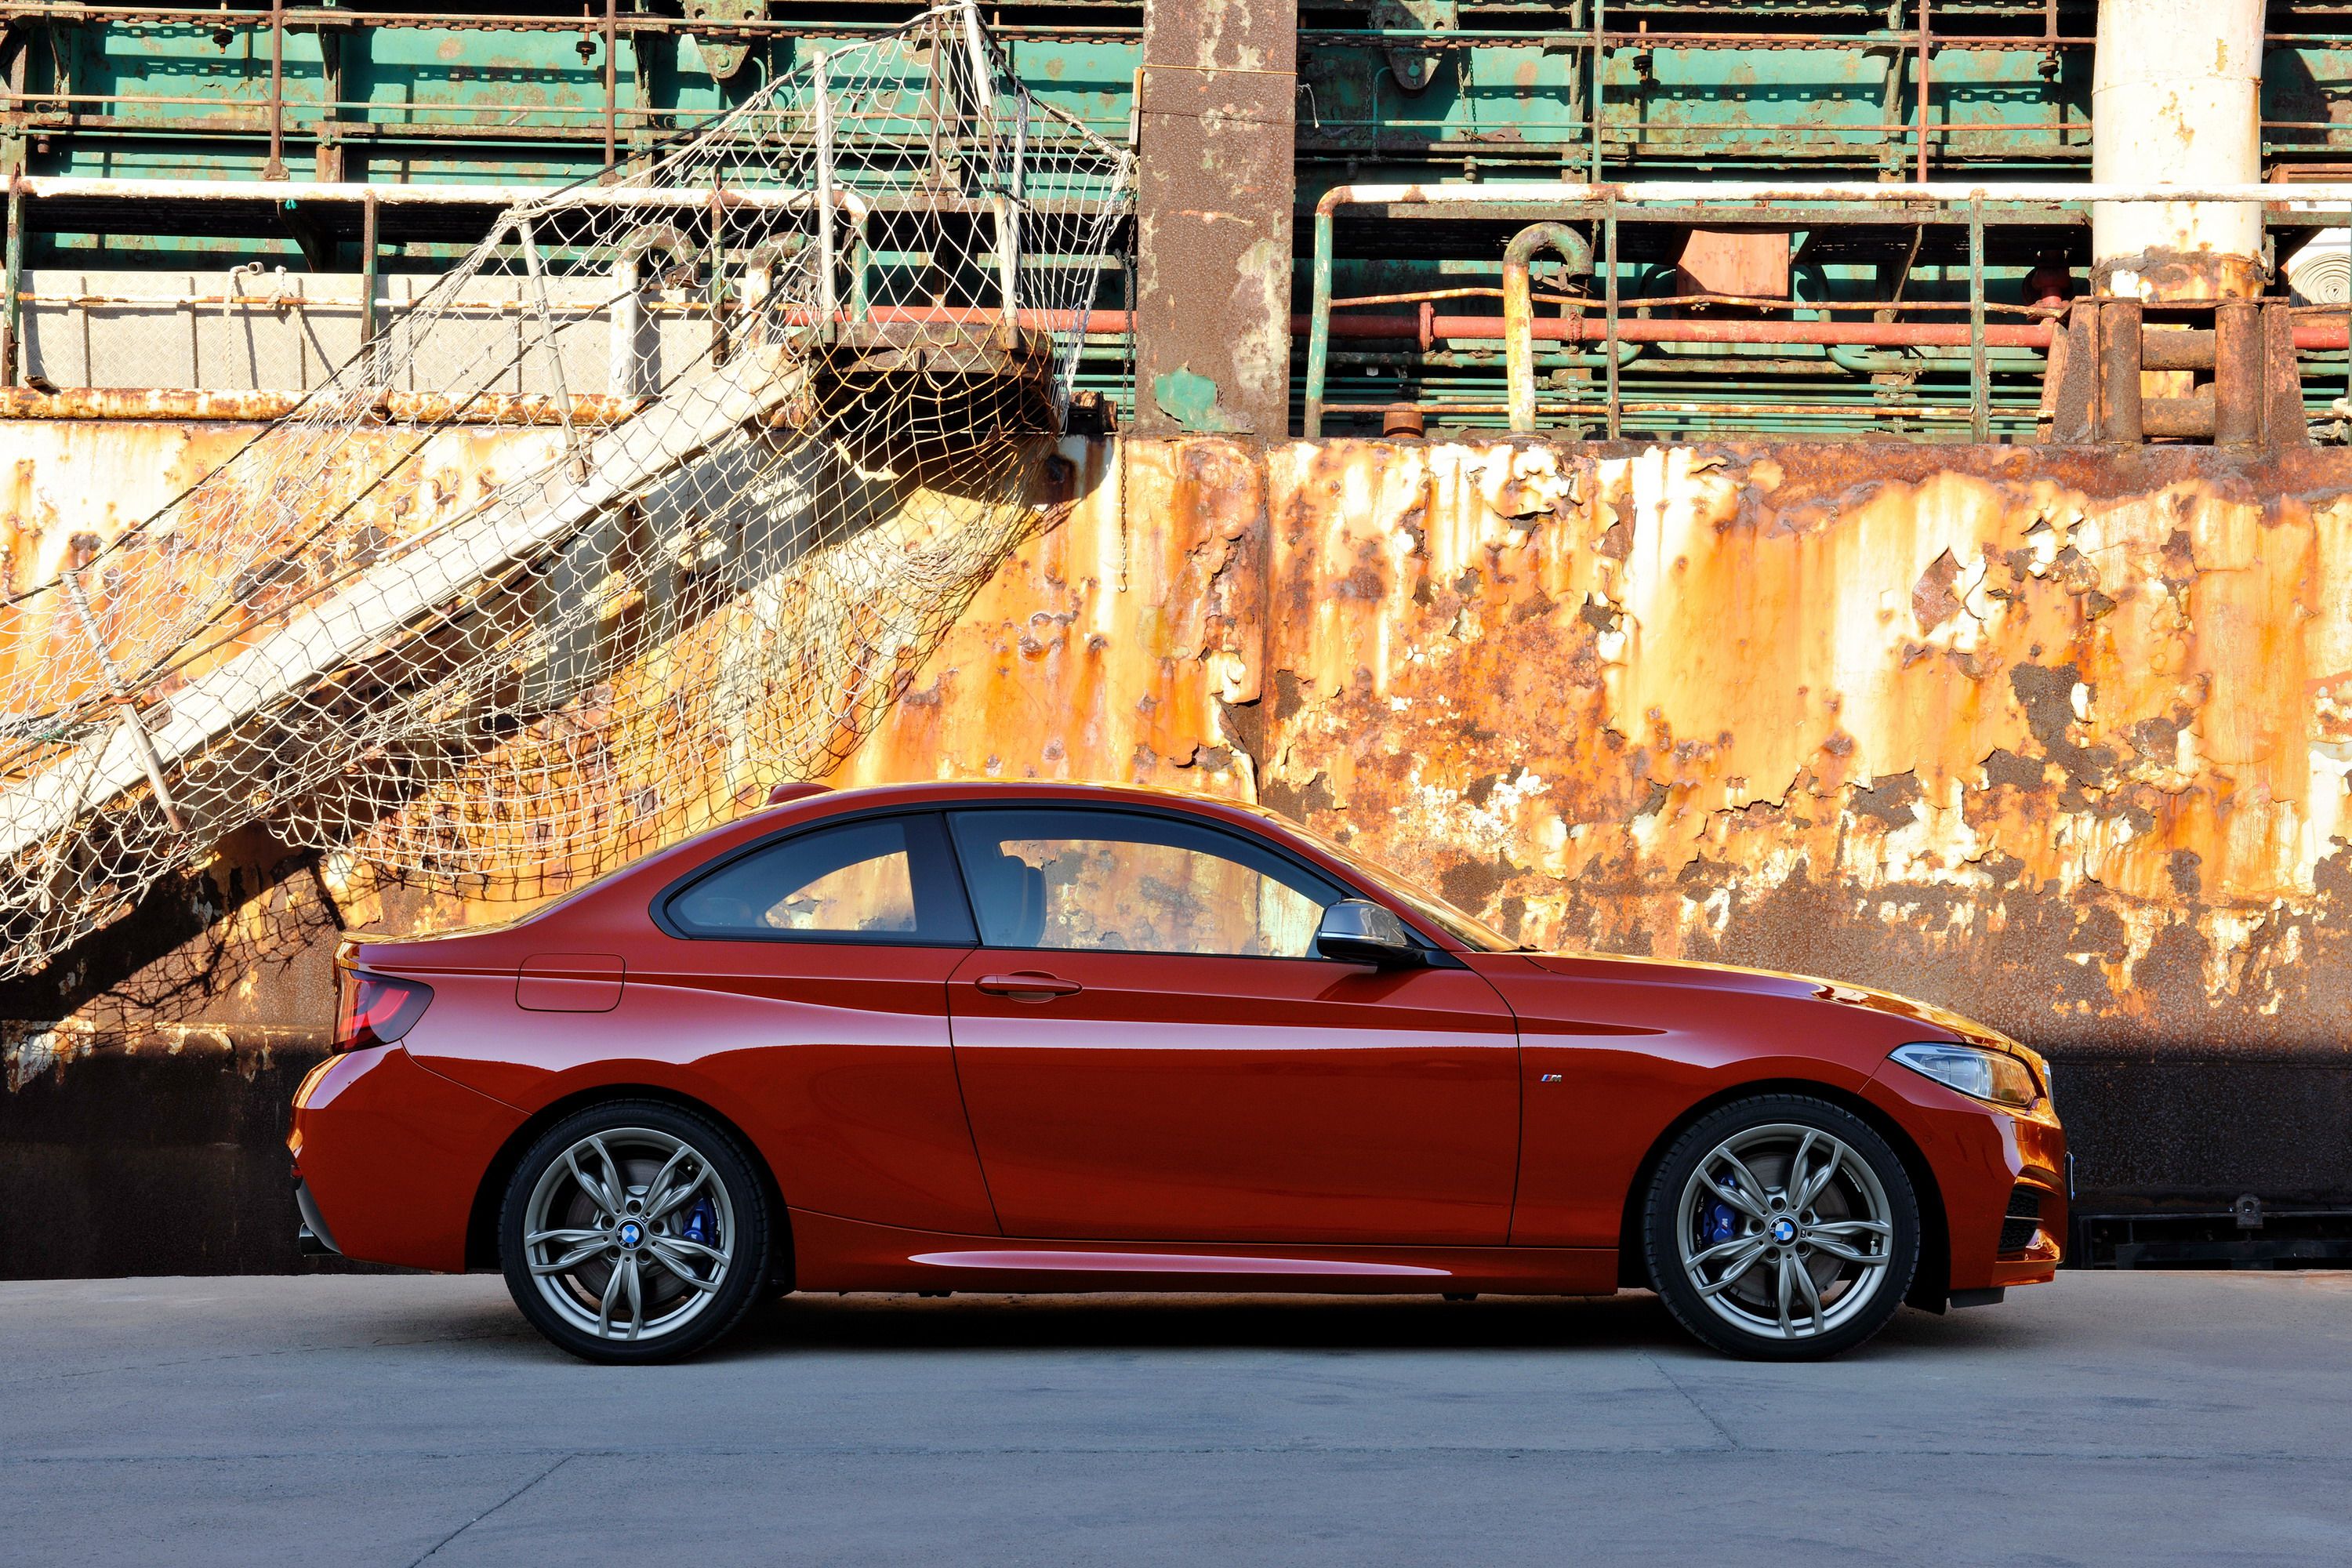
(1357, 931)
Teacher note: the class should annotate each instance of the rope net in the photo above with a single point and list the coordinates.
(788, 393)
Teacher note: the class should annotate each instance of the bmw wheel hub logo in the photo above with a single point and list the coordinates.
(1784, 1231)
(632, 1232)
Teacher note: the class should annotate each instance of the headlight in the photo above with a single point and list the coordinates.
(1992, 1076)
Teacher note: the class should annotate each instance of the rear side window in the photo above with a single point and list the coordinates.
(884, 879)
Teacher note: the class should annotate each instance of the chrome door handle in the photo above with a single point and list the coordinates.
(1028, 986)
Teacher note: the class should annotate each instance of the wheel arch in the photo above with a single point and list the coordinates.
(1930, 1283)
(482, 1220)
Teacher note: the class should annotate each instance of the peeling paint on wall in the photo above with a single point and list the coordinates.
(2057, 737)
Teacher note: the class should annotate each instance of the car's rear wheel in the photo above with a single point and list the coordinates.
(1783, 1228)
(635, 1231)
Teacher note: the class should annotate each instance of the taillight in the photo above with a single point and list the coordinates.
(377, 1009)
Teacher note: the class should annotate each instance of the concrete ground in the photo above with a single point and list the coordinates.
(2130, 1418)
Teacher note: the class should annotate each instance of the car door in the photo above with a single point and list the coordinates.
(1150, 1048)
(806, 974)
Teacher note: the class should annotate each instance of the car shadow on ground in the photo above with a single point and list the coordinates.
(1632, 1321)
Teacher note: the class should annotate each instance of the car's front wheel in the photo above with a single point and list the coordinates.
(635, 1231)
(1782, 1227)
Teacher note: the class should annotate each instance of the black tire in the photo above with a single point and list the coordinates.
(1773, 1292)
(698, 1267)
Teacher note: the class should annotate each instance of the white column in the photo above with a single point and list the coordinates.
(2174, 100)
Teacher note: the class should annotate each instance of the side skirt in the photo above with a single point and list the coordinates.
(835, 1254)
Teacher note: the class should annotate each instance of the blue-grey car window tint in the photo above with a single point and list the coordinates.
(879, 879)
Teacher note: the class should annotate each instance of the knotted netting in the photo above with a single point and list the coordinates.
(788, 393)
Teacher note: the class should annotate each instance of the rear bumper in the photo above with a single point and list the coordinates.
(312, 1237)
(389, 1157)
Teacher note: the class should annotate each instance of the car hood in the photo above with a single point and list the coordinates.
(1764, 982)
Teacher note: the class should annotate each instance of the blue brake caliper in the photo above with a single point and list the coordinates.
(700, 1222)
(1722, 1225)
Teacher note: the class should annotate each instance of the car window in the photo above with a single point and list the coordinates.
(881, 879)
(1135, 882)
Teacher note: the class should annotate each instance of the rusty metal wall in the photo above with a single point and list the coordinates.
(2059, 737)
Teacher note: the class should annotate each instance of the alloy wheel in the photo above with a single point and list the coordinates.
(629, 1233)
(1785, 1231)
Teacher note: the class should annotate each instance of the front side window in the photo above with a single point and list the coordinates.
(1134, 882)
(881, 879)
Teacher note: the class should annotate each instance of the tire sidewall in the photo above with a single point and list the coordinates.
(748, 1272)
(1659, 1218)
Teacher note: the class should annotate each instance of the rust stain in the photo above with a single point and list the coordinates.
(2036, 735)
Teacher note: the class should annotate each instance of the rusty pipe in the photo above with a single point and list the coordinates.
(1519, 309)
(274, 169)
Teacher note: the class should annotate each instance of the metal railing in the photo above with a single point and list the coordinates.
(1718, 202)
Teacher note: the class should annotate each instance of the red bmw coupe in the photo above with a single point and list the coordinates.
(992, 1037)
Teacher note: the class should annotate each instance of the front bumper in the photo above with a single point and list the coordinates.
(1979, 1158)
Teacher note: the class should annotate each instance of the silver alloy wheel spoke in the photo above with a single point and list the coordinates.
(636, 1296)
(575, 1233)
(1841, 1250)
(1797, 1189)
(1801, 1198)
(671, 1201)
(1725, 1249)
(572, 1259)
(1849, 1227)
(694, 1248)
(1806, 1289)
(1749, 1194)
(609, 1202)
(603, 1312)
(1737, 1270)
(667, 1256)
(659, 1186)
(614, 1183)
(1786, 1263)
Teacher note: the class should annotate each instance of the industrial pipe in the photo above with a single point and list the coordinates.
(1519, 309)
(1611, 197)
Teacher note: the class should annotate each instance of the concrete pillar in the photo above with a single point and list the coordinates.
(1217, 110)
(2175, 91)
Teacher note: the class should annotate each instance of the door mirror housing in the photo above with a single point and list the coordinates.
(1356, 930)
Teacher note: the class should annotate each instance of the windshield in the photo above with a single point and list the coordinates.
(1464, 928)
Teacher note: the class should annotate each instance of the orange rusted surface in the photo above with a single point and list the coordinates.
(2058, 736)
(1112, 647)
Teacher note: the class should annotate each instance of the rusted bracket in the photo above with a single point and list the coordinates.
(2254, 396)
(2283, 424)
(2119, 367)
(1414, 65)
(723, 59)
